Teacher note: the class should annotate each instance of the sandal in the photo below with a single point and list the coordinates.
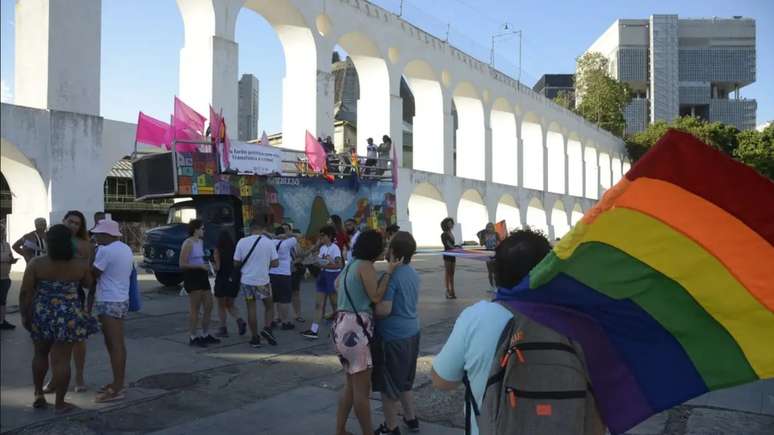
(110, 395)
(300, 319)
(66, 408)
(39, 402)
(81, 389)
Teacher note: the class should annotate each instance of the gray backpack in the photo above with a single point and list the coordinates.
(537, 385)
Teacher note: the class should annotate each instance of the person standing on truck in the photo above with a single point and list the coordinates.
(331, 262)
(253, 257)
(226, 289)
(196, 281)
(372, 151)
(281, 276)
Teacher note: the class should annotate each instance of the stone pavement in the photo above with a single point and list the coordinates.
(290, 388)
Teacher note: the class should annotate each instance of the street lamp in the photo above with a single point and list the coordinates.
(507, 31)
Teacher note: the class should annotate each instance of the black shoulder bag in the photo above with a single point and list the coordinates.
(236, 273)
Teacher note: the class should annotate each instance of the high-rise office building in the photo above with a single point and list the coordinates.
(678, 67)
(247, 119)
(550, 85)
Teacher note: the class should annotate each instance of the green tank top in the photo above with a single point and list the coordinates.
(356, 290)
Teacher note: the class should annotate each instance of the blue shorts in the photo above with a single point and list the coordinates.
(326, 282)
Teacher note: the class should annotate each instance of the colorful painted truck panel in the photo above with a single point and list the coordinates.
(304, 201)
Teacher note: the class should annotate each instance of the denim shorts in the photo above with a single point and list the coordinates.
(116, 310)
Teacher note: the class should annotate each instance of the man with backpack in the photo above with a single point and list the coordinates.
(520, 377)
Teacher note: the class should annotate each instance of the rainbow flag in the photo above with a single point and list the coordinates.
(667, 283)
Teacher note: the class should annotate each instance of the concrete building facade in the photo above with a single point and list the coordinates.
(677, 67)
(519, 157)
(247, 123)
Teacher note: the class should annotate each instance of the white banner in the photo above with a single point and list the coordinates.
(251, 158)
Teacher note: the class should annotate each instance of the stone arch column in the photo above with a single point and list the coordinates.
(519, 155)
(448, 133)
(487, 139)
(209, 60)
(544, 127)
(396, 115)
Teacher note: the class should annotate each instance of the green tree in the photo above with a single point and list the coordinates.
(565, 99)
(756, 148)
(600, 98)
(750, 147)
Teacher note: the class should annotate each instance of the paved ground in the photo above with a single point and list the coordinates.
(290, 388)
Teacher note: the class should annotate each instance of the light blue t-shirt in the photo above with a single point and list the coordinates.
(471, 347)
(403, 291)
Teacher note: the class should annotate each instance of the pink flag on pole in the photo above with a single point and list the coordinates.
(188, 126)
(315, 154)
(394, 168)
(151, 131)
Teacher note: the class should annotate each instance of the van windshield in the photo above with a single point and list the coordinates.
(181, 215)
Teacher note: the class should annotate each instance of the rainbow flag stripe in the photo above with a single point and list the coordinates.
(667, 283)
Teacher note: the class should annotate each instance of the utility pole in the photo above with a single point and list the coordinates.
(507, 31)
(400, 14)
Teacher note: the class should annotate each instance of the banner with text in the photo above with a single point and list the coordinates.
(251, 158)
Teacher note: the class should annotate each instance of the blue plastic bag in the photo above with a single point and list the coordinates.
(135, 301)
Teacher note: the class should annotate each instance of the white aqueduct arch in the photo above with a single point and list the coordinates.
(505, 160)
(428, 116)
(470, 132)
(427, 209)
(472, 214)
(508, 211)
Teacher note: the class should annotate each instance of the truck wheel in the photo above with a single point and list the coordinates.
(169, 279)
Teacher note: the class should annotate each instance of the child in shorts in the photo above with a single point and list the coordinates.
(331, 262)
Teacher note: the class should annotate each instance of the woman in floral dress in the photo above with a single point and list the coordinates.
(51, 311)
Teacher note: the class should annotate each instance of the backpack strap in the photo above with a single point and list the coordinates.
(471, 407)
(244, 261)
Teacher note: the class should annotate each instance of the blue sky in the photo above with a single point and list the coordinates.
(140, 49)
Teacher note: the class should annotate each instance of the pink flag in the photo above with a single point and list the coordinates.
(188, 126)
(394, 168)
(151, 131)
(315, 154)
(214, 126)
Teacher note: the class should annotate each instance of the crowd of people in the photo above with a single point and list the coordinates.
(375, 163)
(77, 282)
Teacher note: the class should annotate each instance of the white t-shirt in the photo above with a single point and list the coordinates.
(116, 262)
(285, 251)
(256, 270)
(352, 245)
(330, 253)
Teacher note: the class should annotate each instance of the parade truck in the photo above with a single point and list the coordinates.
(226, 193)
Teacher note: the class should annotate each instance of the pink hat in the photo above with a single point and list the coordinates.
(107, 226)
